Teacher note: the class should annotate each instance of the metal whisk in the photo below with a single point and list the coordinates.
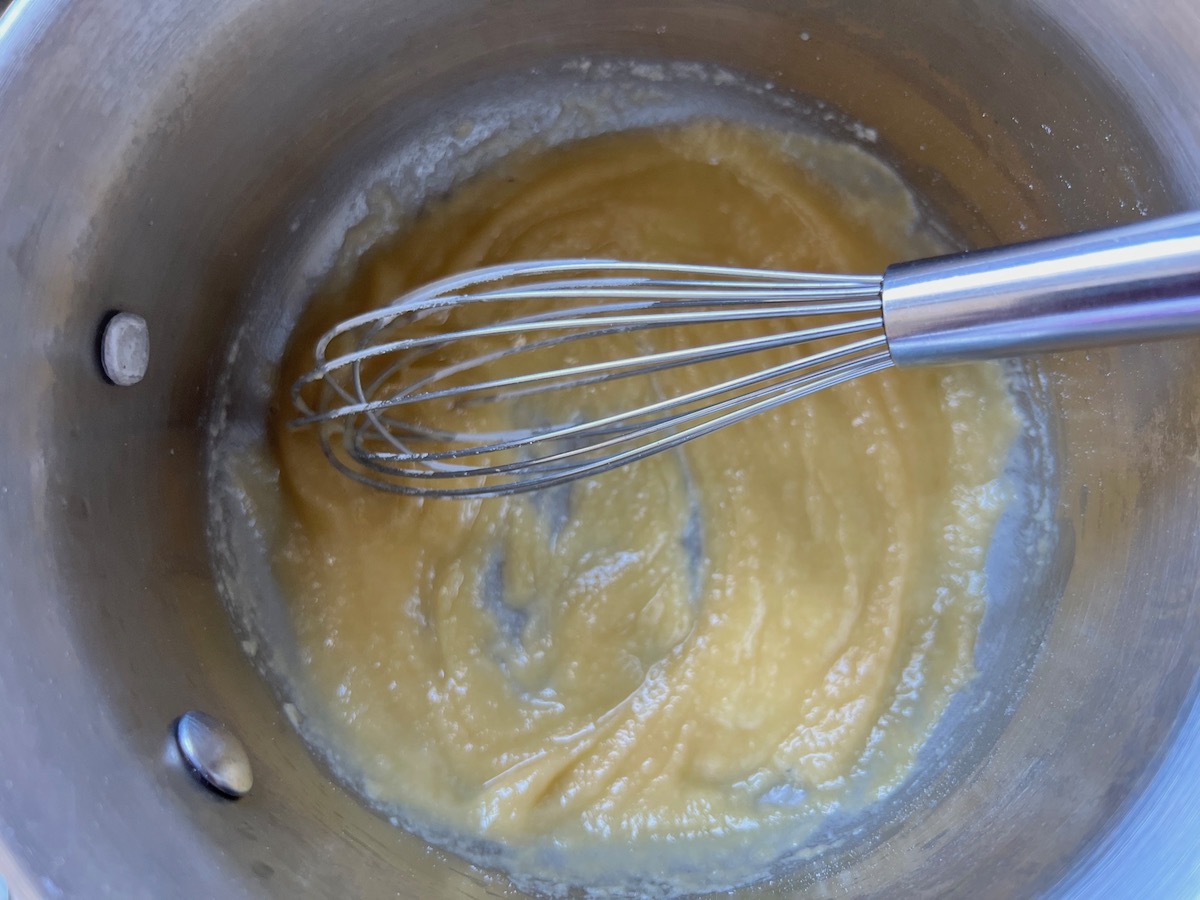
(511, 378)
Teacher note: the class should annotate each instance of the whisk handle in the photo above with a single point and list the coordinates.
(1133, 283)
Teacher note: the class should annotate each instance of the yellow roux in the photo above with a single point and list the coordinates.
(677, 670)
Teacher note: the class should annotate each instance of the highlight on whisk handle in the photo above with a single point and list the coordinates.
(1131, 283)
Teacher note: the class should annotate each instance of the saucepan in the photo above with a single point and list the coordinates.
(196, 165)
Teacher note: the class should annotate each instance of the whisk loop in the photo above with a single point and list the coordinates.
(493, 381)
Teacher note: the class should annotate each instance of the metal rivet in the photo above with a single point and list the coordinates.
(125, 348)
(215, 756)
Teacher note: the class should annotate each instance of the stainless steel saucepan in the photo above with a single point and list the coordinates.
(196, 164)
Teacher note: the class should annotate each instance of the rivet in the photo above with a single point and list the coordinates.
(214, 754)
(125, 348)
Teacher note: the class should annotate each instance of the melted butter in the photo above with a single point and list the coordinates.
(677, 670)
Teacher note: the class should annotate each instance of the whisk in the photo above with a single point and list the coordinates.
(511, 378)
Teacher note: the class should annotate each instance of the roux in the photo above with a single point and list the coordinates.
(679, 668)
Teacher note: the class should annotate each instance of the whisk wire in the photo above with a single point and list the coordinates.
(551, 470)
(581, 375)
(395, 386)
(620, 427)
(605, 319)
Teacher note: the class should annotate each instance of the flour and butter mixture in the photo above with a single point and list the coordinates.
(674, 673)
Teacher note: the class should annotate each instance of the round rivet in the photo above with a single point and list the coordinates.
(125, 348)
(215, 756)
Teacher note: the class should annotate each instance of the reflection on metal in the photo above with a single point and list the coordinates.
(214, 754)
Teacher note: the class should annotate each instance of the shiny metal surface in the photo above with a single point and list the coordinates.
(214, 754)
(390, 426)
(1131, 283)
(394, 425)
(155, 156)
